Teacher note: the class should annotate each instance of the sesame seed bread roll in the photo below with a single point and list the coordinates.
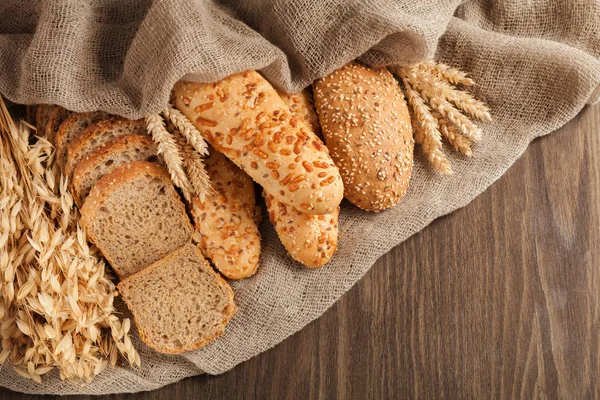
(366, 125)
(303, 107)
(309, 239)
(243, 117)
(226, 219)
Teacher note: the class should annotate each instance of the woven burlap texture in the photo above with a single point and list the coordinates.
(537, 63)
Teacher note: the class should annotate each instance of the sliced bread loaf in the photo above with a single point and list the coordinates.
(96, 136)
(135, 217)
(116, 152)
(179, 303)
(72, 127)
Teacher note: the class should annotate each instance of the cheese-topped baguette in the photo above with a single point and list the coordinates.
(243, 117)
(303, 107)
(226, 219)
(367, 128)
(310, 239)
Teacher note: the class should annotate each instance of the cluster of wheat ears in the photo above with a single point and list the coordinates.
(56, 299)
(440, 109)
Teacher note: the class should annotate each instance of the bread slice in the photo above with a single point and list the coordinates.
(72, 127)
(56, 118)
(96, 136)
(42, 114)
(135, 217)
(118, 151)
(179, 303)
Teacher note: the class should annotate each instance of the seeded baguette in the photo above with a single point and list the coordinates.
(179, 303)
(57, 117)
(226, 219)
(366, 125)
(303, 106)
(243, 117)
(309, 239)
(70, 128)
(118, 151)
(96, 136)
(135, 217)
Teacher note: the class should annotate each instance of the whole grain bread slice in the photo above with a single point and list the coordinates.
(116, 152)
(179, 303)
(96, 136)
(135, 217)
(70, 128)
(56, 118)
(42, 114)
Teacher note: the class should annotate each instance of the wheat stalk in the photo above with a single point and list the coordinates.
(56, 302)
(436, 107)
(170, 152)
(193, 164)
(187, 129)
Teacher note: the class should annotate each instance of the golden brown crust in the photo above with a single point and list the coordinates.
(114, 146)
(65, 132)
(42, 114)
(54, 121)
(243, 117)
(309, 239)
(226, 219)
(142, 331)
(75, 149)
(367, 128)
(303, 107)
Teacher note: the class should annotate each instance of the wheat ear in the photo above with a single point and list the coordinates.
(187, 129)
(447, 73)
(431, 84)
(194, 166)
(167, 147)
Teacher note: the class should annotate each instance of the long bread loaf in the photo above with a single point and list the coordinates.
(243, 117)
(226, 219)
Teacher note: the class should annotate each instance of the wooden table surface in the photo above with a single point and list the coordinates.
(499, 300)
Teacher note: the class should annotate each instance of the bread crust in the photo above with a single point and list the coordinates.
(54, 121)
(309, 239)
(103, 189)
(367, 128)
(243, 117)
(42, 114)
(75, 149)
(65, 132)
(89, 162)
(232, 309)
(226, 219)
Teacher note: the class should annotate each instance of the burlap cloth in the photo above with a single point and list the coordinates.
(537, 63)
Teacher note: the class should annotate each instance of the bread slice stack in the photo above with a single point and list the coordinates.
(134, 215)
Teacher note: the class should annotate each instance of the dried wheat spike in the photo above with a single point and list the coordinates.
(170, 152)
(193, 164)
(436, 106)
(187, 129)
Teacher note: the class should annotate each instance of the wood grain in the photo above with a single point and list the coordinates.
(499, 300)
